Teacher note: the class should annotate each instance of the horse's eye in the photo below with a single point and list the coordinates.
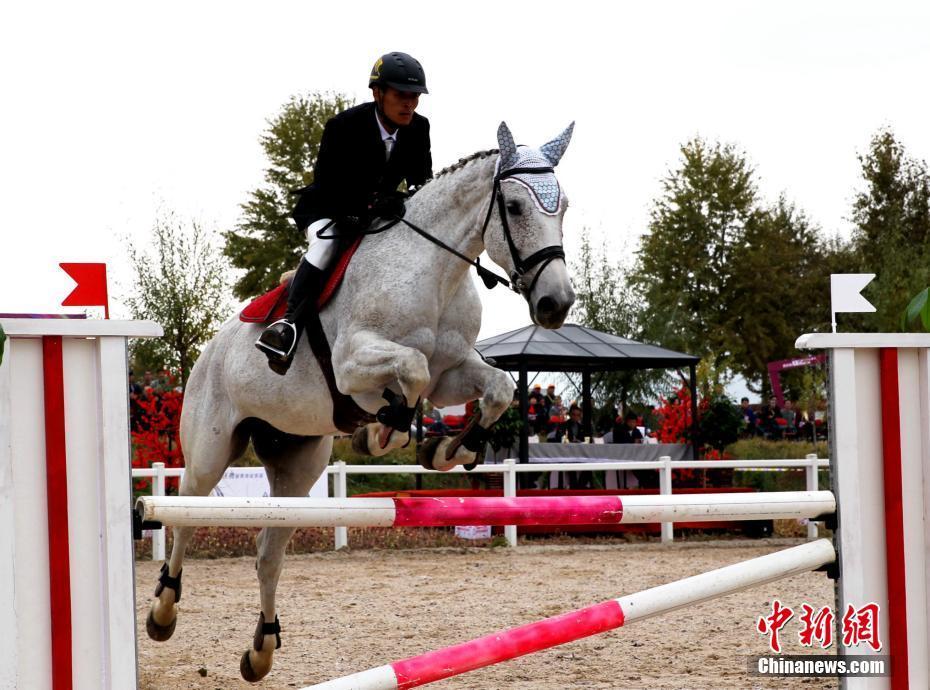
(514, 208)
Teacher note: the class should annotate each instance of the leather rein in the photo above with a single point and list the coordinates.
(522, 266)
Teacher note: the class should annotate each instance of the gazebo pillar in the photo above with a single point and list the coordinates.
(586, 407)
(524, 415)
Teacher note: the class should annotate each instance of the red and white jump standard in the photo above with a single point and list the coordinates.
(66, 551)
(880, 457)
(509, 644)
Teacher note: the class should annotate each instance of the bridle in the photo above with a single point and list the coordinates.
(522, 266)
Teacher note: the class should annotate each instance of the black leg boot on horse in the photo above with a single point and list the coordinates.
(279, 340)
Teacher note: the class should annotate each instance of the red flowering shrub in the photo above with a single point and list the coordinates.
(674, 426)
(155, 421)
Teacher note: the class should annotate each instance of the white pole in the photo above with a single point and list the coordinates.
(158, 489)
(813, 483)
(341, 533)
(665, 489)
(230, 511)
(510, 490)
(533, 637)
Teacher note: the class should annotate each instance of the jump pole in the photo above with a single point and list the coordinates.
(66, 550)
(534, 637)
(188, 511)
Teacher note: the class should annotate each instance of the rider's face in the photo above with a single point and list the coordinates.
(399, 106)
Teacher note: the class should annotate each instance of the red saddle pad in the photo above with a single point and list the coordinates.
(271, 306)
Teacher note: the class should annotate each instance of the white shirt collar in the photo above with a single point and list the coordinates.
(384, 133)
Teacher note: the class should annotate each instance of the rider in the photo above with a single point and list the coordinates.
(365, 153)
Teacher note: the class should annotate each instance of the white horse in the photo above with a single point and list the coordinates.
(406, 319)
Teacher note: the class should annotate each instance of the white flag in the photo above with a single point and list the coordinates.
(845, 289)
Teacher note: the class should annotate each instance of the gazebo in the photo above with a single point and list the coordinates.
(574, 348)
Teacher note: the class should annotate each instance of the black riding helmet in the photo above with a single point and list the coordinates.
(399, 71)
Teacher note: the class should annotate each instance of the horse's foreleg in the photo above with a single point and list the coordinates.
(367, 361)
(470, 380)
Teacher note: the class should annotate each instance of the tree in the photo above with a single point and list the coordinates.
(777, 288)
(605, 301)
(725, 277)
(892, 236)
(685, 259)
(265, 242)
(180, 283)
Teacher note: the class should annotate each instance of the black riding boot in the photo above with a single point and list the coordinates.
(279, 340)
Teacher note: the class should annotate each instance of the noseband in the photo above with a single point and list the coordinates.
(522, 266)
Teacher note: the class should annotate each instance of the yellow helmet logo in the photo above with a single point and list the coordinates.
(376, 70)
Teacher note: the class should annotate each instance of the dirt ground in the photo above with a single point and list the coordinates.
(348, 611)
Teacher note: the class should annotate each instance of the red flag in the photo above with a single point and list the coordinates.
(91, 288)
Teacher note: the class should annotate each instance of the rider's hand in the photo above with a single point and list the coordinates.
(389, 206)
(353, 223)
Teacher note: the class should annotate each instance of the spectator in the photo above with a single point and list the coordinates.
(625, 430)
(749, 416)
(535, 411)
(768, 417)
(574, 428)
(134, 388)
(789, 415)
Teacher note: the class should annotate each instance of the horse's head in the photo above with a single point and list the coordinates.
(524, 236)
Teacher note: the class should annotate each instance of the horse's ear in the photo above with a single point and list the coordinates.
(507, 146)
(555, 148)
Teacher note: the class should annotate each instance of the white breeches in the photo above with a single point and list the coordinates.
(320, 252)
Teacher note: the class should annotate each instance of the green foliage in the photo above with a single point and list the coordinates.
(762, 449)
(605, 301)
(916, 314)
(180, 283)
(725, 276)
(720, 422)
(892, 236)
(506, 431)
(266, 243)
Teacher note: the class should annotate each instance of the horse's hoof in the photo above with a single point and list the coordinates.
(249, 673)
(360, 440)
(157, 632)
(427, 451)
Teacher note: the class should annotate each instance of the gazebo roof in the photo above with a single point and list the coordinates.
(574, 348)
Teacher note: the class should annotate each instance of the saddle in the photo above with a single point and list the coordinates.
(347, 415)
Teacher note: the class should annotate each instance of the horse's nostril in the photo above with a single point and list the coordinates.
(545, 305)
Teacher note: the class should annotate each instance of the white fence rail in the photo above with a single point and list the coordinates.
(339, 471)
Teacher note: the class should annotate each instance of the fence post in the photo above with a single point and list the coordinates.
(158, 489)
(665, 488)
(341, 491)
(813, 482)
(510, 490)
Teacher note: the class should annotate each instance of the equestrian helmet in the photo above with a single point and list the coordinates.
(399, 71)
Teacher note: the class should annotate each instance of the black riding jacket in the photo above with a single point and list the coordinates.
(350, 170)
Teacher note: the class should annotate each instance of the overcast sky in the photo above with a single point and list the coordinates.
(112, 111)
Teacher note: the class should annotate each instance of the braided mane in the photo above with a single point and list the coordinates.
(462, 162)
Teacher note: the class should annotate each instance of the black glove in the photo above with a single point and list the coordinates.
(389, 206)
(353, 223)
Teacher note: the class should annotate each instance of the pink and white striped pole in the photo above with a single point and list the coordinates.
(534, 637)
(200, 511)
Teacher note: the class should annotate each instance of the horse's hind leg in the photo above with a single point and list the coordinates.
(207, 459)
(293, 464)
